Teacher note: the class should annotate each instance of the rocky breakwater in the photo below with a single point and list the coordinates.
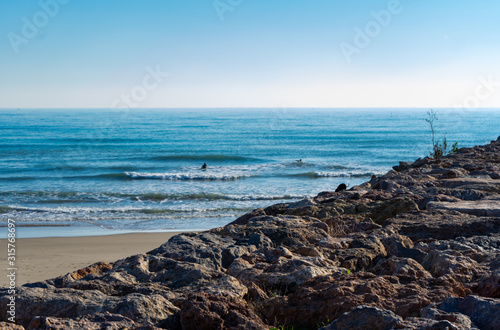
(417, 248)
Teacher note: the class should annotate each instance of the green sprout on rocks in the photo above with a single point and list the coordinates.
(281, 327)
(439, 148)
(323, 324)
(454, 148)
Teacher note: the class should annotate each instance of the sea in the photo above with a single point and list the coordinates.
(78, 172)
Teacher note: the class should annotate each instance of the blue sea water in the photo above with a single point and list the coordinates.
(90, 172)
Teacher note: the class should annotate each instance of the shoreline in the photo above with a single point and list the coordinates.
(52, 231)
(42, 258)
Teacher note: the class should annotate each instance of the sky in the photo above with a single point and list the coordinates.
(249, 53)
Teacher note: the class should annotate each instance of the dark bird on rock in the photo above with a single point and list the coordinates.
(341, 187)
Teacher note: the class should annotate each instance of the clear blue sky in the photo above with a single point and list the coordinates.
(263, 53)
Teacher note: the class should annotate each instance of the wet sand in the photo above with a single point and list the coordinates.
(39, 259)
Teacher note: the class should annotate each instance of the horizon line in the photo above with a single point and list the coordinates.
(244, 107)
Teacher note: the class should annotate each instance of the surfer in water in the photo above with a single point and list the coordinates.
(204, 166)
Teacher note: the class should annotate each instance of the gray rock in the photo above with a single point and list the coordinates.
(482, 208)
(72, 304)
(365, 317)
(484, 312)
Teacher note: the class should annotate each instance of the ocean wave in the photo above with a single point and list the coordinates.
(299, 163)
(206, 158)
(185, 176)
(42, 194)
(19, 178)
(8, 209)
(109, 176)
(214, 197)
(317, 175)
(55, 197)
(85, 168)
(92, 214)
(65, 201)
(98, 140)
(204, 211)
(339, 167)
(5, 209)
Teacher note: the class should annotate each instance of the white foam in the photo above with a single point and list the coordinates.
(264, 197)
(345, 174)
(184, 176)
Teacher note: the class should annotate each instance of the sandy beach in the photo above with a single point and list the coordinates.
(39, 259)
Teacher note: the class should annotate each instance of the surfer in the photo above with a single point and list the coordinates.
(204, 166)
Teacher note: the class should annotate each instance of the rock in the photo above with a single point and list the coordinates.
(440, 263)
(489, 286)
(151, 309)
(458, 320)
(365, 317)
(442, 225)
(484, 312)
(287, 230)
(97, 268)
(283, 274)
(455, 173)
(9, 325)
(402, 246)
(206, 249)
(204, 311)
(379, 195)
(303, 203)
(275, 254)
(483, 208)
(276, 209)
(327, 297)
(69, 303)
(401, 167)
(401, 267)
(260, 241)
(59, 303)
(488, 184)
(308, 251)
(244, 218)
(97, 321)
(392, 208)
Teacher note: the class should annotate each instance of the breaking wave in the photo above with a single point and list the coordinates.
(185, 176)
(206, 158)
(316, 175)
